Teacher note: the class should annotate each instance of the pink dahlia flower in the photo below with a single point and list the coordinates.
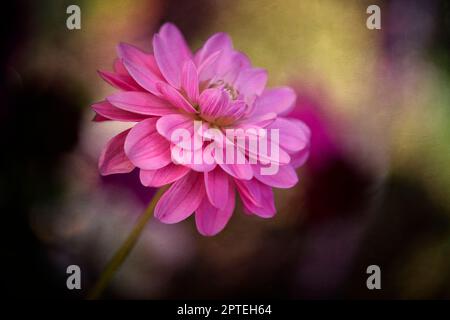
(218, 88)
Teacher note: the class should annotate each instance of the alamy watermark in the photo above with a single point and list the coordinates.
(74, 279)
(374, 20)
(235, 146)
(374, 280)
(73, 21)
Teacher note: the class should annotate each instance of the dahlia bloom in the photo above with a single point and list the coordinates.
(217, 87)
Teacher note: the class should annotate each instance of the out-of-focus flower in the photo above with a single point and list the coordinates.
(174, 89)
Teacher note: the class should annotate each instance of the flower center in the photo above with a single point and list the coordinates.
(228, 88)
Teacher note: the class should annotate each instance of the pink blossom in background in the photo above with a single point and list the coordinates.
(168, 90)
(325, 144)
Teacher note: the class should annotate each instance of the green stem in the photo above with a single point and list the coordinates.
(124, 250)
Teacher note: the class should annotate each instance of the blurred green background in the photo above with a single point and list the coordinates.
(376, 189)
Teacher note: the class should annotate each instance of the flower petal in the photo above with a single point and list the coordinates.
(143, 77)
(166, 126)
(175, 97)
(108, 111)
(171, 51)
(286, 177)
(239, 171)
(279, 100)
(119, 68)
(189, 80)
(217, 42)
(299, 158)
(215, 55)
(113, 159)
(194, 159)
(145, 148)
(249, 189)
(257, 121)
(100, 118)
(239, 168)
(211, 220)
(251, 81)
(233, 111)
(212, 102)
(141, 103)
(181, 200)
(205, 69)
(229, 69)
(294, 134)
(256, 197)
(131, 54)
(122, 82)
(202, 167)
(141, 66)
(163, 176)
(216, 185)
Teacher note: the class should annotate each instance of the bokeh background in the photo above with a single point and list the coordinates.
(376, 189)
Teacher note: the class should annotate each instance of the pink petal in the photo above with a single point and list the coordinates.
(204, 166)
(206, 67)
(119, 68)
(135, 56)
(166, 125)
(279, 100)
(108, 111)
(286, 177)
(193, 159)
(251, 81)
(242, 59)
(175, 97)
(216, 106)
(171, 51)
(181, 200)
(299, 158)
(113, 159)
(145, 78)
(231, 68)
(141, 103)
(211, 220)
(145, 148)
(99, 118)
(122, 82)
(189, 80)
(217, 42)
(231, 112)
(212, 102)
(141, 66)
(257, 121)
(228, 63)
(214, 56)
(216, 185)
(250, 190)
(294, 134)
(239, 171)
(256, 197)
(163, 176)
